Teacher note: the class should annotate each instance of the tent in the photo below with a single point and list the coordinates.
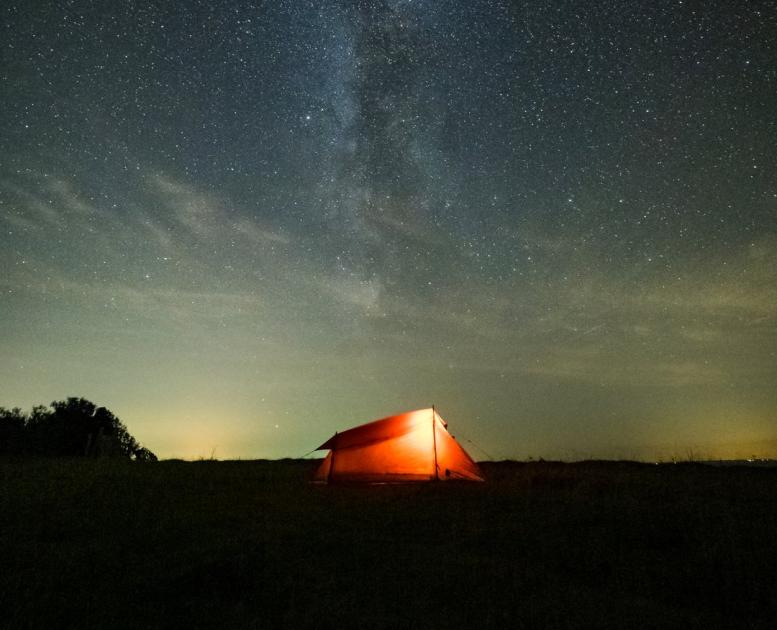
(411, 446)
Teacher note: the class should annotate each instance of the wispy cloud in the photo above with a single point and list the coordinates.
(71, 200)
(170, 305)
(29, 209)
(595, 365)
(42, 202)
(352, 291)
(208, 216)
(253, 233)
(197, 211)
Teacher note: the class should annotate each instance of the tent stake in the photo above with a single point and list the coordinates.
(434, 444)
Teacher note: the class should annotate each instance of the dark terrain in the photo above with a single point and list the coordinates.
(116, 544)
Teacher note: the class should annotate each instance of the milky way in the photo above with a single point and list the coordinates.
(244, 226)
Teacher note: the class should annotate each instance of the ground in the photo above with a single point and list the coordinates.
(106, 544)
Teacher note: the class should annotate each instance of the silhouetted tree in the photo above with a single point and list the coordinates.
(71, 427)
(144, 455)
(12, 430)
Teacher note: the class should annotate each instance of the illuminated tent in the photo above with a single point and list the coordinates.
(412, 446)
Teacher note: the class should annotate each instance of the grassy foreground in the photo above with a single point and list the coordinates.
(102, 544)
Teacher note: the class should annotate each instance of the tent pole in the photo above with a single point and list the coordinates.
(332, 462)
(434, 444)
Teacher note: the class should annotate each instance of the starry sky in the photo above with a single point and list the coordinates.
(243, 226)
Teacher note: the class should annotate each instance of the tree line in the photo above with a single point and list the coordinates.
(72, 427)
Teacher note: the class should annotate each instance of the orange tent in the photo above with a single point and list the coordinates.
(412, 446)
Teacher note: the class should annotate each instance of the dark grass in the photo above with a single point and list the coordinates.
(105, 544)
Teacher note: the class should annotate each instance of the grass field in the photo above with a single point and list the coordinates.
(106, 544)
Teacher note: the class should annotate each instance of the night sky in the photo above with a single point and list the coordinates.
(244, 226)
